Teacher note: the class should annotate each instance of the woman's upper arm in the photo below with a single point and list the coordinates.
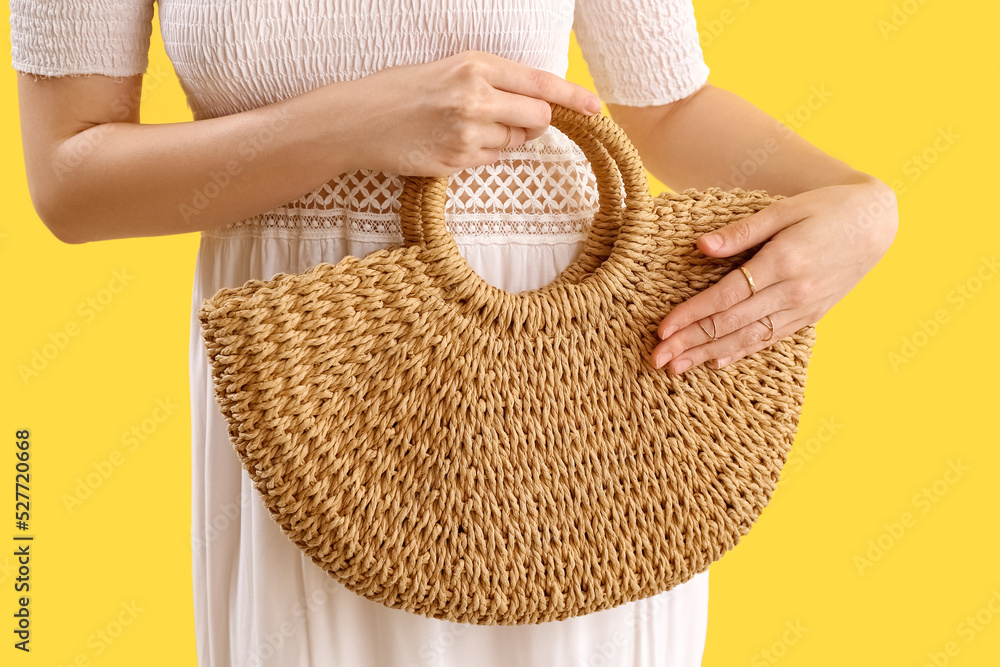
(60, 126)
(81, 65)
(639, 122)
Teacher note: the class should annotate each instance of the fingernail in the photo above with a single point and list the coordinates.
(661, 358)
(719, 363)
(666, 332)
(593, 105)
(682, 365)
(712, 242)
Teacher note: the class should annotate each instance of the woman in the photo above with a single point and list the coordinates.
(306, 113)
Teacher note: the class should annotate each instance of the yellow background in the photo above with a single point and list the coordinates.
(875, 433)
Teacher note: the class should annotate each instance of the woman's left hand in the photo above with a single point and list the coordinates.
(822, 242)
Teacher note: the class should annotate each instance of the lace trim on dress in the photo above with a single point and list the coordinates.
(540, 192)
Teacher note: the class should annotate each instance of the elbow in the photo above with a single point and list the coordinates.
(59, 225)
(68, 237)
(56, 213)
(62, 201)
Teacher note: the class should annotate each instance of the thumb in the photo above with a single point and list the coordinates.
(750, 230)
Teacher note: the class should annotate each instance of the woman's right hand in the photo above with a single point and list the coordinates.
(434, 119)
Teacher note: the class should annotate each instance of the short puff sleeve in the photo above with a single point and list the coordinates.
(640, 52)
(68, 37)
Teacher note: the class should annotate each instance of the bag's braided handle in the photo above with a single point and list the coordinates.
(615, 162)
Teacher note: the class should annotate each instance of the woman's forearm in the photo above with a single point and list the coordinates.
(123, 179)
(817, 243)
(95, 173)
(717, 138)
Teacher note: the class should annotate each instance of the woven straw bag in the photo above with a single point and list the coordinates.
(442, 446)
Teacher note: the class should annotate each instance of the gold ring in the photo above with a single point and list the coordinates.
(715, 330)
(770, 325)
(506, 141)
(753, 286)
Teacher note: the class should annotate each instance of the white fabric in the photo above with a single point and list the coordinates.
(109, 37)
(258, 599)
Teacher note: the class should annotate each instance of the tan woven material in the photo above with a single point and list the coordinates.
(445, 447)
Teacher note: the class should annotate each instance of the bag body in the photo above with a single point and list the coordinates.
(445, 447)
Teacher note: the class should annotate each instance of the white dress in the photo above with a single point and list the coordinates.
(258, 600)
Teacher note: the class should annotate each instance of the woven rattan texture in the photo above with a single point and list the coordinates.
(513, 460)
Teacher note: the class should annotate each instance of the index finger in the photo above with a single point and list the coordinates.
(515, 77)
